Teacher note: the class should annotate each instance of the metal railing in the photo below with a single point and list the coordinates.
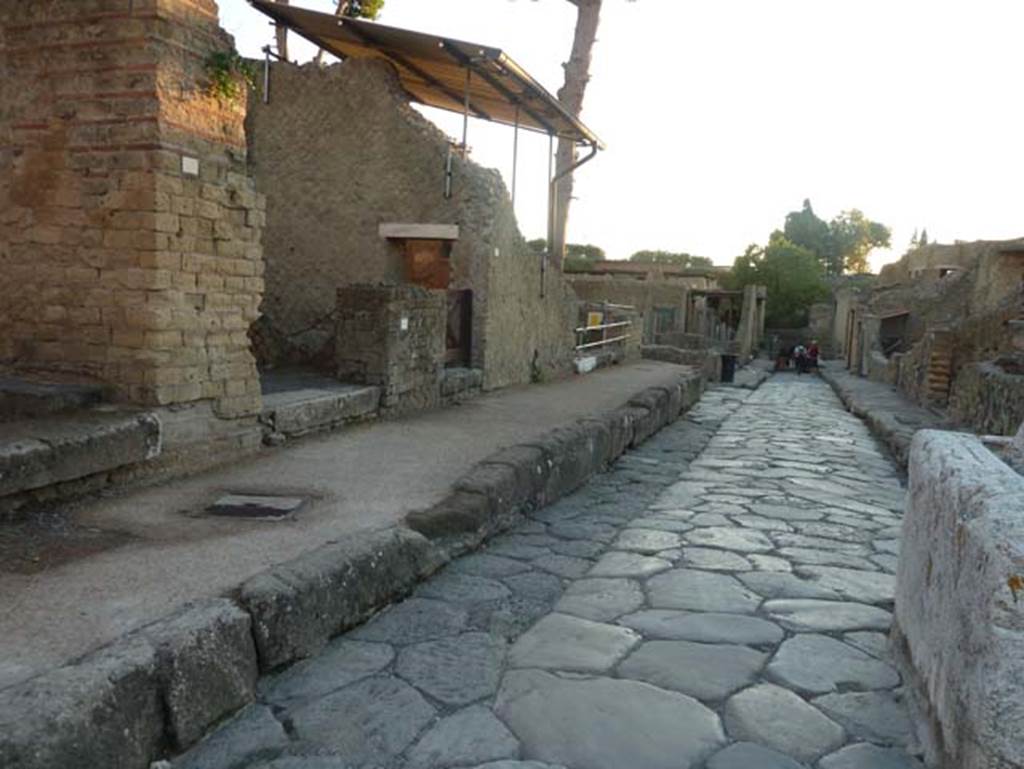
(610, 333)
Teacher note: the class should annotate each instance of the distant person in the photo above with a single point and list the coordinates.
(782, 358)
(813, 353)
(800, 358)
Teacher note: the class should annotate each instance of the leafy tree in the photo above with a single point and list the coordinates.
(805, 228)
(579, 257)
(356, 9)
(792, 274)
(853, 237)
(923, 241)
(841, 245)
(669, 257)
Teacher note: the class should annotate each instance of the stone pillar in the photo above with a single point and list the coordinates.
(129, 231)
(393, 337)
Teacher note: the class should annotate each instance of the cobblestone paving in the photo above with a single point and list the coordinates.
(719, 600)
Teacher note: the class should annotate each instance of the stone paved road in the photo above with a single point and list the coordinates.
(718, 600)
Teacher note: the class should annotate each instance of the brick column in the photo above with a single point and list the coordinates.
(129, 231)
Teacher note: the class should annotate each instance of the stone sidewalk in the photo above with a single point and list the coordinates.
(163, 554)
(892, 415)
(719, 600)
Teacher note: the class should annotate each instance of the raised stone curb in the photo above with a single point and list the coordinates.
(298, 606)
(490, 497)
(958, 632)
(893, 418)
(163, 687)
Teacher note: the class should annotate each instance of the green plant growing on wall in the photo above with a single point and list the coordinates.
(229, 75)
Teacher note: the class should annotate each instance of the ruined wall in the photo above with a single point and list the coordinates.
(338, 151)
(989, 398)
(393, 337)
(120, 268)
(642, 294)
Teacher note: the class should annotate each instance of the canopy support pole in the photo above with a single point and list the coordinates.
(551, 211)
(465, 115)
(515, 155)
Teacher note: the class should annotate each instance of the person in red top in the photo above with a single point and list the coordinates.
(812, 354)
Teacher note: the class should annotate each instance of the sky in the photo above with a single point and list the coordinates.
(721, 116)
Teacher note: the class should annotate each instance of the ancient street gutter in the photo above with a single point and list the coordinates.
(159, 689)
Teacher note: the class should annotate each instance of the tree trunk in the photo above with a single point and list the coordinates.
(282, 36)
(577, 75)
(339, 11)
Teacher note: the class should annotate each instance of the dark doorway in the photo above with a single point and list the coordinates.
(458, 336)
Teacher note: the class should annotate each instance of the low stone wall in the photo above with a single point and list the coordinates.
(708, 362)
(959, 623)
(393, 337)
(988, 399)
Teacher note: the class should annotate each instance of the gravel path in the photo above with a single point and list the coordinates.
(719, 599)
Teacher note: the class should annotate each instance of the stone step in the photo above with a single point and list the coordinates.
(26, 399)
(38, 453)
(325, 406)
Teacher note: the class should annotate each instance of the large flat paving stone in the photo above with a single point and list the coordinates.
(703, 627)
(854, 584)
(873, 716)
(731, 538)
(775, 717)
(562, 642)
(303, 762)
(785, 585)
(456, 670)
(816, 664)
(465, 738)
(412, 621)
(601, 600)
(252, 732)
(622, 564)
(865, 756)
(373, 720)
(700, 591)
(822, 616)
(747, 755)
(484, 565)
(714, 560)
(786, 512)
(646, 541)
(340, 664)
(462, 589)
(709, 672)
(517, 765)
(603, 723)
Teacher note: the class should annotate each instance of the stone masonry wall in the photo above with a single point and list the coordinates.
(988, 399)
(339, 151)
(644, 295)
(120, 268)
(393, 337)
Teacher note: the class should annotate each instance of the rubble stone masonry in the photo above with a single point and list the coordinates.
(121, 261)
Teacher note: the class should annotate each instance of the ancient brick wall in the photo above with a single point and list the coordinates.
(339, 151)
(119, 265)
(393, 337)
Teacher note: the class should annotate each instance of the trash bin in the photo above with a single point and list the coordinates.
(728, 368)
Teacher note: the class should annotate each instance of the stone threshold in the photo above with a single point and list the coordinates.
(43, 452)
(158, 690)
